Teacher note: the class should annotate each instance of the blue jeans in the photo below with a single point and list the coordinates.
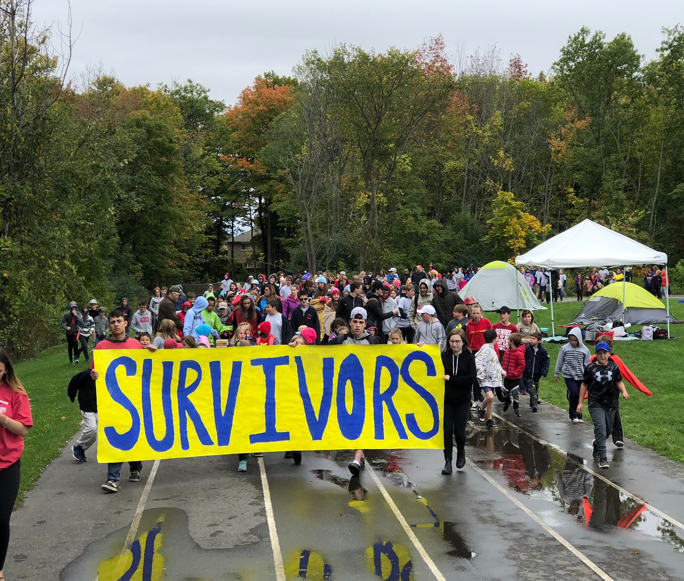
(114, 469)
(573, 389)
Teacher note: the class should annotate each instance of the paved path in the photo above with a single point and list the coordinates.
(503, 517)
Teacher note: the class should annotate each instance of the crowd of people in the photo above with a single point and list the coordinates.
(481, 361)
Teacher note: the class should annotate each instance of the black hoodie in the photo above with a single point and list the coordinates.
(462, 373)
(445, 302)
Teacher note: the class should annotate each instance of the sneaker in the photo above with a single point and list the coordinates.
(481, 415)
(534, 409)
(258, 454)
(506, 405)
(475, 406)
(603, 464)
(297, 457)
(242, 466)
(619, 444)
(355, 468)
(134, 476)
(78, 453)
(516, 411)
(111, 486)
(522, 393)
(76, 361)
(288, 454)
(490, 424)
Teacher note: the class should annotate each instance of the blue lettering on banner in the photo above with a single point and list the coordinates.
(351, 423)
(271, 434)
(186, 409)
(317, 424)
(411, 422)
(383, 399)
(224, 419)
(167, 406)
(128, 439)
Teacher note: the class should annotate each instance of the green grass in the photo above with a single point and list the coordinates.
(654, 422)
(55, 418)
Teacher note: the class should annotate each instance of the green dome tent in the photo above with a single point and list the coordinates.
(498, 284)
(640, 307)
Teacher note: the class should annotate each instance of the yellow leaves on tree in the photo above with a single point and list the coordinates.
(512, 230)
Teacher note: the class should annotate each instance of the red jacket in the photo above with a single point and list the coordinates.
(475, 331)
(514, 362)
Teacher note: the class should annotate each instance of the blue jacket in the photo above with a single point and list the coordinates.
(536, 364)
(193, 318)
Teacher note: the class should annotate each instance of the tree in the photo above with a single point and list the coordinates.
(511, 229)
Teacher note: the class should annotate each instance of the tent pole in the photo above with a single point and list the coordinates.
(624, 294)
(553, 323)
(667, 300)
(518, 290)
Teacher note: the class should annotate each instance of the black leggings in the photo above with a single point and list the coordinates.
(455, 421)
(74, 350)
(9, 488)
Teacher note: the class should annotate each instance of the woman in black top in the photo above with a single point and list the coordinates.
(460, 373)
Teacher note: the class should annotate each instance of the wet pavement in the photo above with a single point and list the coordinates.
(530, 505)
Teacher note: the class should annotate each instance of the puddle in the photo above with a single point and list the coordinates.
(164, 544)
(538, 471)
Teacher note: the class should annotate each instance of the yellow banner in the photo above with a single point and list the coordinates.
(201, 402)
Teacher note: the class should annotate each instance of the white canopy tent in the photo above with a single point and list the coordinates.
(590, 244)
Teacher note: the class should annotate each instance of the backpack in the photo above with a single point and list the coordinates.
(647, 333)
(660, 334)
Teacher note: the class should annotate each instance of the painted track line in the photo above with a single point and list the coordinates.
(581, 556)
(651, 508)
(272, 531)
(135, 523)
(404, 524)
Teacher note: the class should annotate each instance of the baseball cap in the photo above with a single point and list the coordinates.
(342, 273)
(602, 346)
(469, 300)
(172, 344)
(93, 302)
(359, 313)
(393, 269)
(101, 310)
(309, 335)
(73, 304)
(504, 310)
(223, 306)
(427, 310)
(175, 288)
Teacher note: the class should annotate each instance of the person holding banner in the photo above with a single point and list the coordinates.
(358, 336)
(460, 372)
(117, 340)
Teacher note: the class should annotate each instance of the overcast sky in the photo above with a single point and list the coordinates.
(224, 44)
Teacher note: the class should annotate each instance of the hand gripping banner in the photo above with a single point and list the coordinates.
(202, 402)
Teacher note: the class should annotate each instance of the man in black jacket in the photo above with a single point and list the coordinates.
(444, 302)
(418, 275)
(70, 321)
(84, 385)
(351, 301)
(374, 308)
(306, 315)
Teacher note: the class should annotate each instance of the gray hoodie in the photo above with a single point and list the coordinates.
(572, 360)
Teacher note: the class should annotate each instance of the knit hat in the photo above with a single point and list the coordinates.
(203, 330)
(321, 279)
(203, 342)
(309, 335)
(175, 289)
(264, 328)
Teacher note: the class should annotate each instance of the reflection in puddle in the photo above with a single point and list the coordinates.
(528, 467)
